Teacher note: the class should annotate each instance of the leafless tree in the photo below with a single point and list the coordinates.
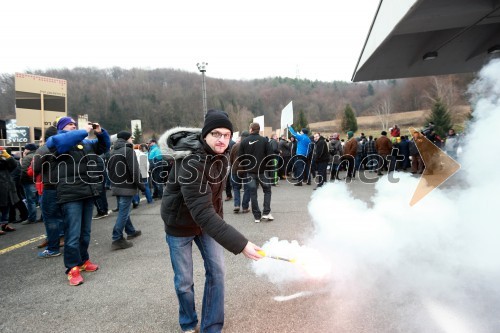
(442, 88)
(240, 116)
(383, 110)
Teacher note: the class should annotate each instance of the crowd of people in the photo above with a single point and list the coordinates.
(189, 171)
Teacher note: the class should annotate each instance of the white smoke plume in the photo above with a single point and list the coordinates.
(433, 267)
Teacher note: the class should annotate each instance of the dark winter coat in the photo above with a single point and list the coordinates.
(192, 200)
(25, 163)
(321, 151)
(123, 170)
(284, 147)
(413, 148)
(44, 164)
(8, 192)
(274, 146)
(259, 153)
(335, 149)
(293, 148)
(75, 164)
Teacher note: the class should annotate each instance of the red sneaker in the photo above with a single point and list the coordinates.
(74, 277)
(89, 266)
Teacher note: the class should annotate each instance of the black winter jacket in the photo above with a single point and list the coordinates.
(192, 200)
(321, 151)
(8, 192)
(123, 170)
(257, 152)
(284, 147)
(75, 164)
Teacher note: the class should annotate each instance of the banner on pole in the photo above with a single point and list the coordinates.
(287, 115)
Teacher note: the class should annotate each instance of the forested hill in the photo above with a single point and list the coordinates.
(163, 98)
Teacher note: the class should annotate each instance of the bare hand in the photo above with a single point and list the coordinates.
(250, 251)
(98, 128)
(88, 128)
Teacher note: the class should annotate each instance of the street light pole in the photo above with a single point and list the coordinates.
(202, 67)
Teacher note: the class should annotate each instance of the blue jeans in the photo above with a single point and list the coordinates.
(147, 192)
(53, 219)
(266, 187)
(157, 183)
(30, 193)
(123, 220)
(77, 217)
(300, 166)
(236, 182)
(181, 256)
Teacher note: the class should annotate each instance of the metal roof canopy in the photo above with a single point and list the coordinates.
(403, 31)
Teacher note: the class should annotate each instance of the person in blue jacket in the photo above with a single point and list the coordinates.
(74, 171)
(155, 158)
(303, 142)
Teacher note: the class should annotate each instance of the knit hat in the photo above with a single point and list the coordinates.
(216, 119)
(49, 131)
(31, 147)
(350, 134)
(61, 123)
(124, 135)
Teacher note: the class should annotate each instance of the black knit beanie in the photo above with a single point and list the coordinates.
(216, 119)
(49, 131)
(124, 135)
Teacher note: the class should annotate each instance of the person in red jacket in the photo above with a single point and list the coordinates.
(395, 131)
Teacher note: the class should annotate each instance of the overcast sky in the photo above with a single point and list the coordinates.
(317, 40)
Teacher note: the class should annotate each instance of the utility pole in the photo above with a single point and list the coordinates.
(202, 67)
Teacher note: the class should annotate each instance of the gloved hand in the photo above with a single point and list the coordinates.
(4, 153)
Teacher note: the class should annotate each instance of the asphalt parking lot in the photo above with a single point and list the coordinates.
(133, 289)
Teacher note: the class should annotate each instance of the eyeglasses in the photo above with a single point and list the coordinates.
(218, 135)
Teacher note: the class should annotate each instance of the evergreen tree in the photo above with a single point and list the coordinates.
(371, 91)
(116, 122)
(441, 118)
(348, 121)
(301, 122)
(137, 135)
